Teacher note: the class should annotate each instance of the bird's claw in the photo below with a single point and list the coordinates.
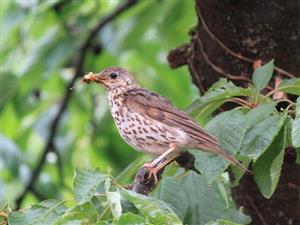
(153, 173)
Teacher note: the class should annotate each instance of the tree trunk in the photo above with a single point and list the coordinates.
(230, 38)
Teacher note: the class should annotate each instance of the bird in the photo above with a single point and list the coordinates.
(150, 123)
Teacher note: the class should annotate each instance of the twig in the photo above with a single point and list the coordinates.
(220, 70)
(252, 204)
(217, 68)
(103, 213)
(269, 94)
(197, 78)
(234, 54)
(243, 101)
(79, 62)
(240, 102)
(291, 103)
(37, 194)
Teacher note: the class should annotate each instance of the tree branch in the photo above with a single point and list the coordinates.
(144, 184)
(234, 54)
(79, 62)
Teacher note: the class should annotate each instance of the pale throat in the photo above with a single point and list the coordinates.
(114, 96)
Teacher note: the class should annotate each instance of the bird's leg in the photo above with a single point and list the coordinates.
(162, 156)
(157, 164)
(153, 172)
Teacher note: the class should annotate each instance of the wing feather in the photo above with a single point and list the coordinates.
(159, 108)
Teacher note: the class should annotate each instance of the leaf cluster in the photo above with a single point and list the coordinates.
(40, 42)
(98, 200)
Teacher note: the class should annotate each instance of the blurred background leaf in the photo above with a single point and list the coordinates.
(40, 40)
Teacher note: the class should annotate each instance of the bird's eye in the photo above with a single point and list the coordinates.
(113, 75)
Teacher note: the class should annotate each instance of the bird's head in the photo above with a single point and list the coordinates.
(112, 78)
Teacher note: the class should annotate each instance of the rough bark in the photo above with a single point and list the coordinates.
(230, 36)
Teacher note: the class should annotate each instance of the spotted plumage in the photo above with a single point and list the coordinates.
(150, 123)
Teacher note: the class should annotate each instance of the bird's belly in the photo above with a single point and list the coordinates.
(148, 135)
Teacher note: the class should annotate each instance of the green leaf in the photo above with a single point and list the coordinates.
(228, 127)
(86, 183)
(130, 171)
(291, 86)
(43, 213)
(102, 223)
(79, 213)
(296, 126)
(262, 75)
(155, 210)
(114, 202)
(10, 155)
(222, 222)
(237, 132)
(192, 195)
(9, 86)
(141, 23)
(215, 97)
(254, 143)
(259, 113)
(130, 219)
(267, 168)
(46, 212)
(234, 130)
(167, 188)
(17, 218)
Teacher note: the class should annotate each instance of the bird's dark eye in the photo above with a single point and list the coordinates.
(113, 75)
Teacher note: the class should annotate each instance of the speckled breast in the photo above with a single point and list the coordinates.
(141, 132)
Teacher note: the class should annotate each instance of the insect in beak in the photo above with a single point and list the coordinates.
(89, 78)
(86, 79)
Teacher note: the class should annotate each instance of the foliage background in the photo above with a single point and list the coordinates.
(38, 47)
(42, 45)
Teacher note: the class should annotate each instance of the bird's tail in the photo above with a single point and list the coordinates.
(217, 149)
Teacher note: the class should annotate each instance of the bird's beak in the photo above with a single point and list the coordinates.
(98, 78)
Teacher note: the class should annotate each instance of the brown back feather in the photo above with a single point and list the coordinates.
(159, 108)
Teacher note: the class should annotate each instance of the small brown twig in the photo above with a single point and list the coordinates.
(241, 102)
(269, 94)
(291, 103)
(252, 204)
(219, 69)
(196, 77)
(234, 54)
(193, 71)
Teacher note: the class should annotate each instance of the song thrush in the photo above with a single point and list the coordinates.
(150, 123)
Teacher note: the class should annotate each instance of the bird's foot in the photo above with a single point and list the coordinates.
(153, 173)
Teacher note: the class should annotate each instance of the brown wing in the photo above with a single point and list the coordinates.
(158, 108)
